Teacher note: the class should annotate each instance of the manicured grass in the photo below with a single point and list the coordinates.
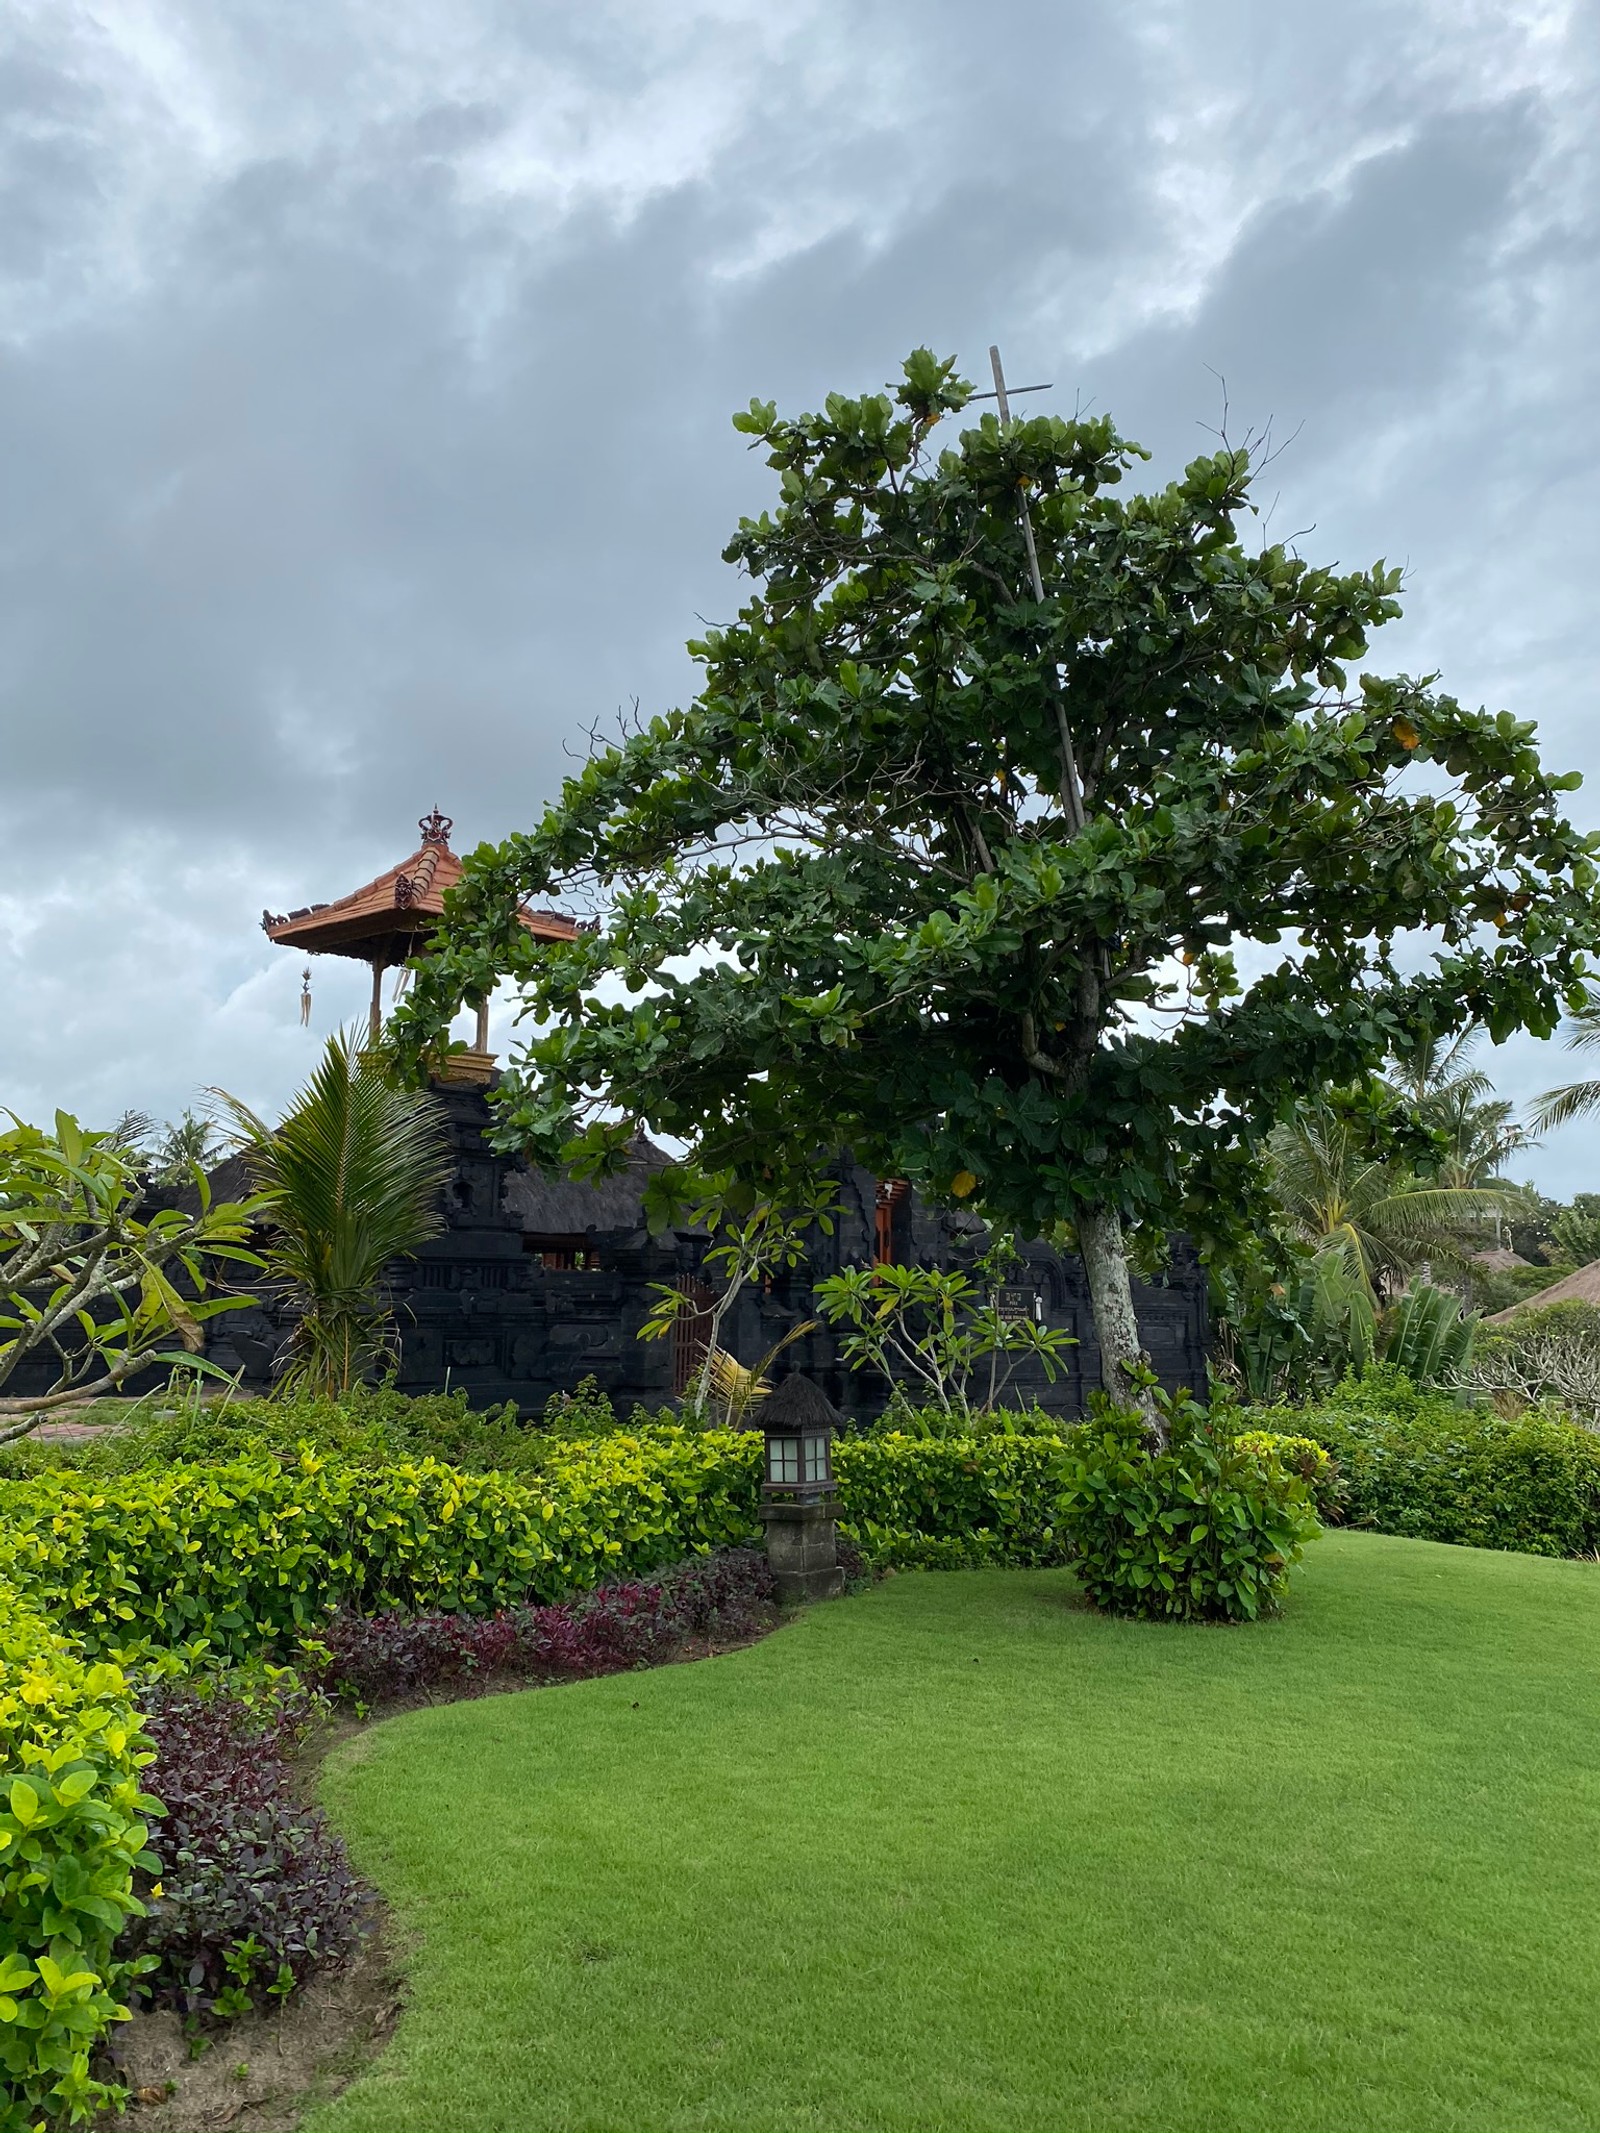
(959, 1854)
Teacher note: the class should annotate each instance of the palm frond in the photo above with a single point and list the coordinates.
(1558, 1107)
(356, 1168)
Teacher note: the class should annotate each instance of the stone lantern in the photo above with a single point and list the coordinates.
(798, 1505)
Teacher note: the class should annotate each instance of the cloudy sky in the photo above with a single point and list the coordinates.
(365, 374)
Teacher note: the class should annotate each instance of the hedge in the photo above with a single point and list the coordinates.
(259, 1552)
(72, 1833)
(1445, 1472)
(949, 1502)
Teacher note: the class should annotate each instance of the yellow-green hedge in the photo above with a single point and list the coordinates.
(261, 1551)
(72, 1832)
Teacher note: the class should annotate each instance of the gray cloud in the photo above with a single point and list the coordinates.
(365, 375)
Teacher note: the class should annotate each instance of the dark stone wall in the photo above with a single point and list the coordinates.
(478, 1309)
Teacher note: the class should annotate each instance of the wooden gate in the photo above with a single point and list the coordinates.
(691, 1332)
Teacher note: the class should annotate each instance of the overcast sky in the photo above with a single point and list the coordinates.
(365, 374)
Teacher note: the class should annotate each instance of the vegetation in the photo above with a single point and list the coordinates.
(1577, 1099)
(1005, 1862)
(354, 1172)
(1383, 1222)
(1425, 1465)
(752, 1238)
(1549, 1353)
(945, 862)
(1200, 1529)
(948, 1503)
(72, 1839)
(939, 1339)
(93, 1284)
(1303, 1456)
(258, 1554)
(372, 1426)
(727, 1597)
(255, 1892)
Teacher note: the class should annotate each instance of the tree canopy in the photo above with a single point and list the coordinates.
(1048, 904)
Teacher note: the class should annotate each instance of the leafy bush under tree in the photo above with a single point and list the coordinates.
(1201, 1530)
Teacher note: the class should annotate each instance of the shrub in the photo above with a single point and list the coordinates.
(255, 1891)
(1442, 1471)
(944, 1503)
(1315, 1465)
(72, 1836)
(723, 1596)
(1552, 1353)
(371, 1427)
(1204, 1530)
(259, 1553)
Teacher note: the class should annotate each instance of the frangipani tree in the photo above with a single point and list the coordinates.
(952, 872)
(95, 1284)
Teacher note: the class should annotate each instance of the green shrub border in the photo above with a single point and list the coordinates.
(72, 1836)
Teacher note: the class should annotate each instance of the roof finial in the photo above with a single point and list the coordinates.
(436, 828)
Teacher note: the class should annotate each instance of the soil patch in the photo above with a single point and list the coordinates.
(261, 2073)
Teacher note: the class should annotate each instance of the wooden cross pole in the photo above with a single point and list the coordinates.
(1071, 788)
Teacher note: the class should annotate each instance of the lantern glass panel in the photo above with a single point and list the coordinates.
(783, 1459)
(816, 1459)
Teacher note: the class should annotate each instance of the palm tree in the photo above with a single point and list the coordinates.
(355, 1170)
(1458, 1101)
(1386, 1224)
(1556, 1107)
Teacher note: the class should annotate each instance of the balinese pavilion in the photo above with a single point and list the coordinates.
(388, 921)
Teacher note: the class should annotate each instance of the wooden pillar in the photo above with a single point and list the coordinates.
(481, 1041)
(375, 1019)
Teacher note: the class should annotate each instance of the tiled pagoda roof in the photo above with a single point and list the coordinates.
(391, 916)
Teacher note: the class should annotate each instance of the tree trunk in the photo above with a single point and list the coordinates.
(1105, 1261)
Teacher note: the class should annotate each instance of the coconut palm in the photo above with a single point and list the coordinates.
(355, 1169)
(1578, 1098)
(1385, 1223)
(1456, 1099)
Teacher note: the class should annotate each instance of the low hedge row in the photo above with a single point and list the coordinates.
(259, 1553)
(1431, 1468)
(72, 1836)
(948, 1503)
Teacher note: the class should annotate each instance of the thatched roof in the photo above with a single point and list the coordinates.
(1500, 1259)
(553, 1206)
(1583, 1287)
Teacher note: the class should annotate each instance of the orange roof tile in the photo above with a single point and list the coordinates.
(391, 916)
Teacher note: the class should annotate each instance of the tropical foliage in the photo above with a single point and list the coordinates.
(1575, 1099)
(95, 1285)
(353, 1175)
(939, 1338)
(1544, 1353)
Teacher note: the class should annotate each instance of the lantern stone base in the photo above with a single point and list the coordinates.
(803, 1549)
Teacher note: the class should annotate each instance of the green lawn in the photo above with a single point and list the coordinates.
(959, 1854)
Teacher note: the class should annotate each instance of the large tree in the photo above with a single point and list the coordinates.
(949, 863)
